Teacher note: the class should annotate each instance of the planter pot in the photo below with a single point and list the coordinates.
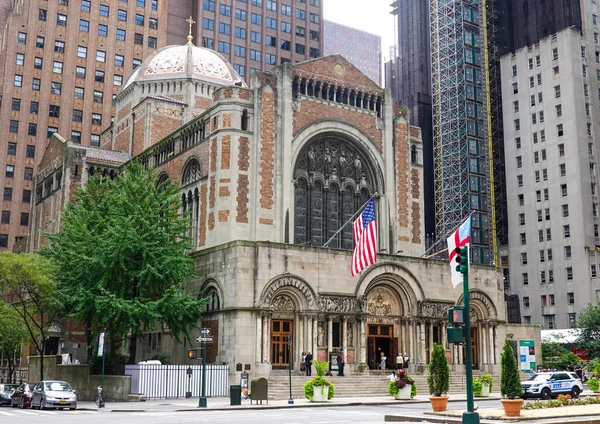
(439, 403)
(512, 407)
(485, 390)
(404, 394)
(320, 394)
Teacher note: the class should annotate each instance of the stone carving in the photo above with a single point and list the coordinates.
(169, 61)
(209, 64)
(337, 304)
(55, 328)
(167, 111)
(379, 302)
(296, 105)
(350, 335)
(321, 339)
(434, 309)
(379, 123)
(282, 303)
(289, 281)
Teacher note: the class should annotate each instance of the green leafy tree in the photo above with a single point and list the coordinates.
(438, 378)
(589, 337)
(510, 382)
(27, 285)
(123, 260)
(13, 333)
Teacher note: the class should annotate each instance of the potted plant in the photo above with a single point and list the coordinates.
(482, 386)
(402, 387)
(438, 378)
(510, 383)
(318, 389)
(594, 384)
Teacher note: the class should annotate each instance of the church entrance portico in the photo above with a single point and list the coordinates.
(281, 339)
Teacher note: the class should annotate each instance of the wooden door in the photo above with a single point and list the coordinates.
(280, 354)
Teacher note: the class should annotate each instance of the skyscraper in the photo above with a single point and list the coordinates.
(62, 62)
(551, 99)
(360, 48)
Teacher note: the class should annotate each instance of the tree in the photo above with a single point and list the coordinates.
(122, 258)
(438, 378)
(13, 333)
(589, 337)
(554, 355)
(27, 285)
(510, 382)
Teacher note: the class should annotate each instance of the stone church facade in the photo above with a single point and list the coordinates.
(270, 173)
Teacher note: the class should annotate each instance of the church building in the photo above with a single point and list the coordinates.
(271, 172)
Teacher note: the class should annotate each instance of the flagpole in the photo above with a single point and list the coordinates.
(445, 237)
(351, 219)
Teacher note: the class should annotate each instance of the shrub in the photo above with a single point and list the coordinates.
(438, 378)
(561, 400)
(392, 388)
(321, 368)
(593, 384)
(477, 386)
(487, 379)
(510, 383)
(401, 382)
(413, 390)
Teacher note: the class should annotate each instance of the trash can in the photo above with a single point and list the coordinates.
(235, 395)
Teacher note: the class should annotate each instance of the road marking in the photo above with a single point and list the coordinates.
(47, 412)
(7, 413)
(27, 413)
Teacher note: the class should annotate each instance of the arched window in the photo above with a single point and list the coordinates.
(160, 182)
(214, 302)
(333, 179)
(245, 119)
(191, 173)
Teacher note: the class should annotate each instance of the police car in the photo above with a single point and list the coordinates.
(546, 385)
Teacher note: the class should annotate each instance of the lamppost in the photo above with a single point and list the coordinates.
(289, 338)
(202, 400)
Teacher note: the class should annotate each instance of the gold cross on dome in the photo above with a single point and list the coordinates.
(191, 22)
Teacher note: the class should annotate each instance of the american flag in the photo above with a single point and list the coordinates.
(365, 239)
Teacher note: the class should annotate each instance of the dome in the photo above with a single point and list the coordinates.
(187, 61)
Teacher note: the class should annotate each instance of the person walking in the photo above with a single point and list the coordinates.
(405, 361)
(307, 361)
(303, 364)
(383, 360)
(341, 365)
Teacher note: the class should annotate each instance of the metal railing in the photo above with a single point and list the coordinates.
(172, 381)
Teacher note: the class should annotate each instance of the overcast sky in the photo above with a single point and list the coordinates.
(368, 15)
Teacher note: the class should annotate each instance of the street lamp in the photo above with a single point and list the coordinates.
(289, 338)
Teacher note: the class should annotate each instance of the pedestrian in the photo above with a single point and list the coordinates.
(571, 368)
(383, 360)
(307, 361)
(341, 365)
(303, 364)
(405, 362)
(579, 371)
(585, 374)
(392, 376)
(399, 362)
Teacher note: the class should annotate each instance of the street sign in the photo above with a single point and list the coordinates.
(204, 339)
(101, 345)
(205, 331)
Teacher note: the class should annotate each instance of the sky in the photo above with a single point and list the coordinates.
(368, 15)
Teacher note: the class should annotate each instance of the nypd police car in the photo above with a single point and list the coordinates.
(546, 385)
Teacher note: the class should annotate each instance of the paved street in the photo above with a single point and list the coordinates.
(168, 413)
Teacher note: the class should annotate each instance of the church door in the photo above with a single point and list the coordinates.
(474, 350)
(380, 341)
(280, 354)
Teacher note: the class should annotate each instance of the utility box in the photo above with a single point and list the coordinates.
(259, 390)
(455, 335)
(235, 395)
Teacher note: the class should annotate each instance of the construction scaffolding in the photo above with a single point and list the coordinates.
(462, 123)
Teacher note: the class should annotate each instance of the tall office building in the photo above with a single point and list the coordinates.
(408, 75)
(462, 118)
(551, 102)
(360, 48)
(256, 34)
(62, 63)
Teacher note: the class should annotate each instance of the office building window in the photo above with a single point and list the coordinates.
(96, 119)
(95, 140)
(104, 10)
(122, 15)
(55, 87)
(33, 108)
(38, 63)
(79, 93)
(121, 34)
(100, 56)
(54, 111)
(98, 96)
(57, 67)
(138, 39)
(84, 25)
(152, 42)
(61, 20)
(82, 52)
(139, 19)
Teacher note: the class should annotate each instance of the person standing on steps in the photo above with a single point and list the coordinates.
(405, 361)
(341, 365)
(307, 361)
(383, 360)
(399, 362)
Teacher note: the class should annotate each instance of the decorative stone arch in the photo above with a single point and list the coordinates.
(211, 287)
(192, 171)
(289, 287)
(482, 305)
(396, 278)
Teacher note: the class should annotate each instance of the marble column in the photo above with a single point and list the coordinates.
(411, 343)
(300, 336)
(492, 344)
(314, 337)
(460, 355)
(422, 344)
(265, 341)
(430, 348)
(329, 336)
(443, 327)
(344, 325)
(259, 339)
(363, 343)
(483, 350)
(307, 334)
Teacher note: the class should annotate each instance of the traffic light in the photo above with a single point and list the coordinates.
(462, 259)
(456, 315)
(193, 353)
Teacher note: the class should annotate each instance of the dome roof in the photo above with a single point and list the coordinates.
(187, 61)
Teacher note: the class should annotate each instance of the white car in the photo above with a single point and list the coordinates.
(549, 384)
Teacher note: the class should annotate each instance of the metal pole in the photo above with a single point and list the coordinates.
(101, 403)
(202, 402)
(291, 399)
(469, 417)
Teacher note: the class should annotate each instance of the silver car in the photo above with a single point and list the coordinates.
(53, 394)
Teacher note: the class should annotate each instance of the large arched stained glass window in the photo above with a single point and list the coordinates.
(333, 180)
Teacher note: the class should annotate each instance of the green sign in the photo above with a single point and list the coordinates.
(527, 355)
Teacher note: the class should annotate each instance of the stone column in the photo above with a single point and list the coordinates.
(266, 338)
(422, 342)
(443, 327)
(300, 336)
(329, 336)
(259, 336)
(344, 325)
(307, 334)
(492, 344)
(411, 351)
(314, 337)
(431, 324)
(363, 343)
(483, 336)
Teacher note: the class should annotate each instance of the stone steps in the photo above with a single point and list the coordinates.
(356, 385)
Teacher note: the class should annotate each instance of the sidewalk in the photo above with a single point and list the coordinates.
(223, 403)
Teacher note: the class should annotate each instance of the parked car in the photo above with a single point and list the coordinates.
(54, 394)
(546, 385)
(22, 395)
(6, 392)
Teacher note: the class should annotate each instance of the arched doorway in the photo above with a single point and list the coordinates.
(383, 332)
(282, 327)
